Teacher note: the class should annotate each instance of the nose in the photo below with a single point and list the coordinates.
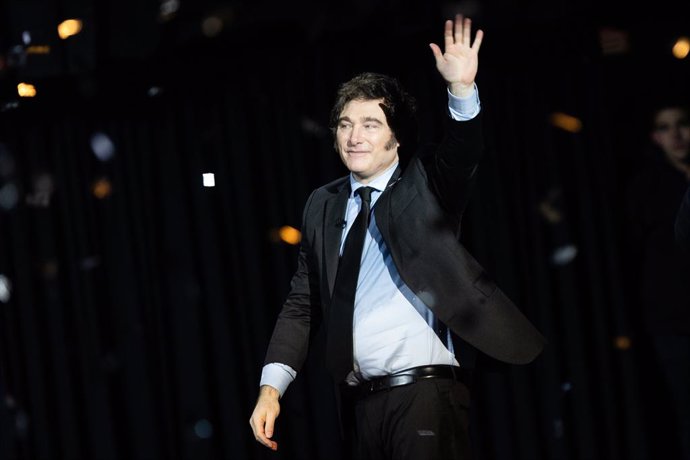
(355, 137)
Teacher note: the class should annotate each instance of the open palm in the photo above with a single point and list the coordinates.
(459, 60)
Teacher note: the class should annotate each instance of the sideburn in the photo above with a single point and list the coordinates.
(391, 143)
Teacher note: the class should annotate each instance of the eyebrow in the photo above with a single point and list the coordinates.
(374, 119)
(667, 124)
(364, 120)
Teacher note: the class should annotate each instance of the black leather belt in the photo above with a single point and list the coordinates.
(410, 376)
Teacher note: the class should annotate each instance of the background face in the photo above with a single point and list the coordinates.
(672, 133)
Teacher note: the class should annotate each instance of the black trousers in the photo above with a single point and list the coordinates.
(427, 420)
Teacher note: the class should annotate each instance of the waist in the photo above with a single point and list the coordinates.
(411, 376)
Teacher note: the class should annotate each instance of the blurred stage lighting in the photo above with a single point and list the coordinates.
(7, 106)
(5, 289)
(102, 146)
(285, 234)
(681, 48)
(9, 196)
(622, 342)
(16, 56)
(102, 188)
(203, 429)
(43, 187)
(26, 90)
(38, 49)
(613, 41)
(168, 9)
(89, 263)
(69, 28)
(564, 254)
(154, 91)
(289, 235)
(566, 122)
(550, 212)
(550, 207)
(212, 26)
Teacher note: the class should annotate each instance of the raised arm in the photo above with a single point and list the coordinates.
(458, 63)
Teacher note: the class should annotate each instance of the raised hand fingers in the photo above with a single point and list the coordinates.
(478, 40)
(459, 32)
(448, 34)
(462, 29)
(458, 62)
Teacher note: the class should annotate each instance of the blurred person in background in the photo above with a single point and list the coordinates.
(660, 272)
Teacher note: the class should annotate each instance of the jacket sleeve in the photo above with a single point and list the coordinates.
(301, 311)
(452, 165)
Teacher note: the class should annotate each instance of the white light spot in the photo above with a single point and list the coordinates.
(102, 146)
(154, 91)
(9, 106)
(169, 7)
(5, 289)
(564, 255)
(209, 180)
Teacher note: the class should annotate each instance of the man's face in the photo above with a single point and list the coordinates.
(672, 133)
(364, 140)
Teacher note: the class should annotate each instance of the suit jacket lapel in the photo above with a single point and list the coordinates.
(334, 216)
(385, 209)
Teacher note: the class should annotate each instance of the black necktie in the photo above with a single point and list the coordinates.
(339, 342)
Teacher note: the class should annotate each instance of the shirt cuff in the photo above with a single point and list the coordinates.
(464, 108)
(278, 375)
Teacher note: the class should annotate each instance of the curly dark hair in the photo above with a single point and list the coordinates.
(398, 106)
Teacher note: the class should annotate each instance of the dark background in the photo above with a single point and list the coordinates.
(136, 304)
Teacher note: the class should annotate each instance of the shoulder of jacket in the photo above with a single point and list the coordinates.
(334, 186)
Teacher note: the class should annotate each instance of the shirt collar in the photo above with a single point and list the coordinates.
(379, 184)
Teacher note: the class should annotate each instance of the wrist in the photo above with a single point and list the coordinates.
(269, 392)
(461, 90)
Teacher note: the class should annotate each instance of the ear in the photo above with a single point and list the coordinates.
(655, 137)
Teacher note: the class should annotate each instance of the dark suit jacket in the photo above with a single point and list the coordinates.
(657, 269)
(682, 227)
(419, 217)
